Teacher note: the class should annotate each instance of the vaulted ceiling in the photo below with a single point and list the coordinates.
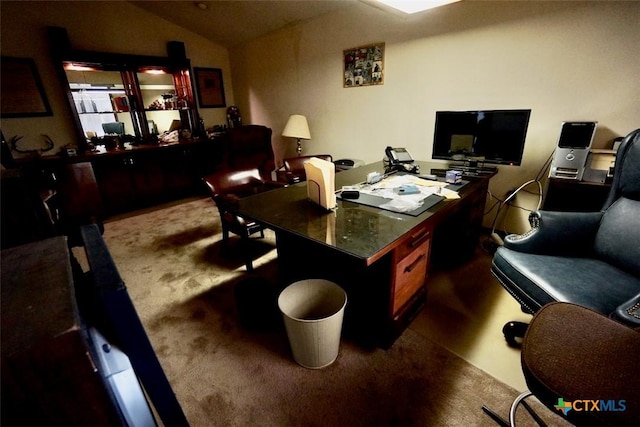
(233, 22)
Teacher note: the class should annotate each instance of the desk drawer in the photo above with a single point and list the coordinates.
(410, 275)
(413, 241)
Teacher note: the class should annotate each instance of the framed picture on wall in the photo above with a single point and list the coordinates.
(209, 87)
(22, 91)
(364, 65)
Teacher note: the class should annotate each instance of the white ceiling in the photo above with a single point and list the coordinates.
(230, 22)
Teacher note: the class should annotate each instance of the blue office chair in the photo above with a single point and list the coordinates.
(113, 127)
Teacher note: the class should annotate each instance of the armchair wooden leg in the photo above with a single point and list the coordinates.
(248, 262)
(225, 238)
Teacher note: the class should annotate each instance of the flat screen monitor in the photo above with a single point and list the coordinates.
(485, 136)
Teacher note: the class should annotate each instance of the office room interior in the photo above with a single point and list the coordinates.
(563, 60)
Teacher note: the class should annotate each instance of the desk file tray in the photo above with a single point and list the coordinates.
(377, 202)
(321, 182)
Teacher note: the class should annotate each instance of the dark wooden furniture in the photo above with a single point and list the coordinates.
(380, 258)
(139, 176)
(47, 376)
(139, 90)
(53, 371)
(575, 196)
(24, 215)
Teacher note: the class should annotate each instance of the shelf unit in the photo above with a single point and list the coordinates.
(148, 94)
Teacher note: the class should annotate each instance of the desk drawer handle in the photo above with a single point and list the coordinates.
(413, 265)
(415, 242)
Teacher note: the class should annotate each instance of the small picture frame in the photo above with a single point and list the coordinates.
(22, 90)
(209, 87)
(364, 65)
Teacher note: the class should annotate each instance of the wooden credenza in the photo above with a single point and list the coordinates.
(140, 176)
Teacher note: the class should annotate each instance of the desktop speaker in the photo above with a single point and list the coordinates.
(571, 154)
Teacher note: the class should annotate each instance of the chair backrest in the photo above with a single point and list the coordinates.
(295, 165)
(249, 146)
(79, 198)
(626, 177)
(239, 182)
(618, 237)
(113, 127)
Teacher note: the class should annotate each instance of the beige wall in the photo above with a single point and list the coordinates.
(564, 60)
(103, 26)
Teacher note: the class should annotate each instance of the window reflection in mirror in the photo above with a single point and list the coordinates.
(100, 99)
(159, 98)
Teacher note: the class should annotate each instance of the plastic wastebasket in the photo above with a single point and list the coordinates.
(313, 310)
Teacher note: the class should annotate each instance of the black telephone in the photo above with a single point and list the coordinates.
(400, 159)
(398, 155)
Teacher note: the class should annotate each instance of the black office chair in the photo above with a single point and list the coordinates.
(591, 259)
(113, 128)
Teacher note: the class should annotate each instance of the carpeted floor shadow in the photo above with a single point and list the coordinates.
(231, 367)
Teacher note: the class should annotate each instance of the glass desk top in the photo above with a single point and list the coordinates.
(359, 230)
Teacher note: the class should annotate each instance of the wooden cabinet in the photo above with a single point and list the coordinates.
(142, 176)
(143, 95)
(153, 175)
(575, 196)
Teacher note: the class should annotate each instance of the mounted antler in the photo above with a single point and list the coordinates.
(13, 143)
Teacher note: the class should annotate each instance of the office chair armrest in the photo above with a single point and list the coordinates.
(628, 312)
(226, 202)
(557, 233)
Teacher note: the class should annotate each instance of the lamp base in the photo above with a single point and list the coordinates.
(299, 149)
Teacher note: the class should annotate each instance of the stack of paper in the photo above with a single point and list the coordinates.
(321, 176)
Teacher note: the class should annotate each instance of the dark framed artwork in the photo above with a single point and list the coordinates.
(364, 66)
(22, 91)
(209, 87)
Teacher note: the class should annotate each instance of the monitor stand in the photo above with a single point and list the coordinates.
(472, 167)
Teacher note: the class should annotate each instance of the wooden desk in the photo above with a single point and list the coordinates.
(380, 258)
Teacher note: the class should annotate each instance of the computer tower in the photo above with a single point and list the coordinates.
(572, 151)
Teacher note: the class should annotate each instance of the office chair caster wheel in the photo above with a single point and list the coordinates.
(514, 333)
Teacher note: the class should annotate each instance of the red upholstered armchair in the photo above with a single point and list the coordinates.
(226, 188)
(249, 147)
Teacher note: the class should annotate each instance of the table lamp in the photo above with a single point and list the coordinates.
(297, 127)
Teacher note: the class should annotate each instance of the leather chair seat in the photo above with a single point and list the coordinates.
(536, 280)
(569, 353)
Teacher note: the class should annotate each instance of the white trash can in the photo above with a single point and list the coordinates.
(313, 310)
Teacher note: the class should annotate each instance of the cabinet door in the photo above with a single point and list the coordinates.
(116, 185)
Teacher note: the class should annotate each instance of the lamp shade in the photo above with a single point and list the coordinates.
(297, 127)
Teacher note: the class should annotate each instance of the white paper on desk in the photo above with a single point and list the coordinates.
(321, 176)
